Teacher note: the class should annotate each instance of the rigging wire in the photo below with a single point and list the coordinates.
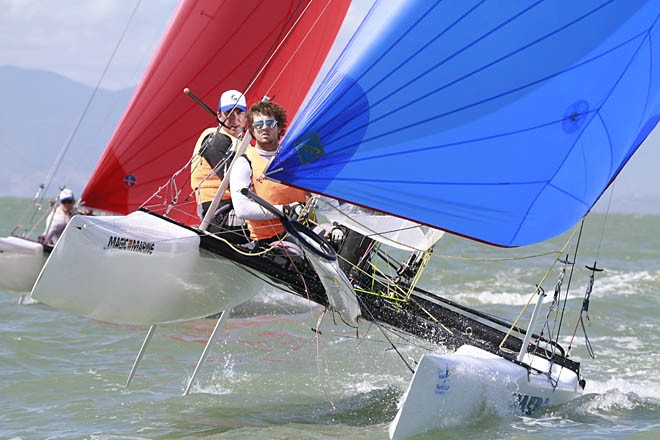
(321, 358)
(587, 295)
(536, 290)
(382, 331)
(276, 47)
(66, 146)
(44, 186)
(607, 216)
(570, 278)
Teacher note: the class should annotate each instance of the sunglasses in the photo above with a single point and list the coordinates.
(259, 125)
(68, 201)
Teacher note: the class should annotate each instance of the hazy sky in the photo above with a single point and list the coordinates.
(76, 38)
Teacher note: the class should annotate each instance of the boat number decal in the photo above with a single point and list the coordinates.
(309, 149)
(129, 244)
(529, 404)
(442, 383)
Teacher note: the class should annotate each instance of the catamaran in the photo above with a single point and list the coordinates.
(498, 122)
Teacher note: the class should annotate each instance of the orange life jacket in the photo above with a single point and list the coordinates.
(203, 180)
(273, 192)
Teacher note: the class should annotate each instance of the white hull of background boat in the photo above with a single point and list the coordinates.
(20, 263)
(449, 390)
(139, 269)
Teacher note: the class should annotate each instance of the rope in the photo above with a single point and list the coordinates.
(536, 290)
(275, 50)
(63, 151)
(324, 360)
(570, 278)
(364, 307)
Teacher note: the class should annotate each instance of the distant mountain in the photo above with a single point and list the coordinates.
(39, 113)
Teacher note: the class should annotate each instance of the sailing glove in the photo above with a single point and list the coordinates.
(293, 210)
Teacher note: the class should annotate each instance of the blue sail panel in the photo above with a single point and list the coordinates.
(500, 121)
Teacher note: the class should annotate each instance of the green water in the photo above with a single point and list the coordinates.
(270, 377)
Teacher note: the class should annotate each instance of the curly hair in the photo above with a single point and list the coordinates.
(268, 108)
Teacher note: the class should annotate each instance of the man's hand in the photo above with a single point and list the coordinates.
(337, 234)
(293, 210)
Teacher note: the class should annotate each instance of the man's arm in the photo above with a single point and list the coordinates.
(241, 177)
(215, 149)
(54, 227)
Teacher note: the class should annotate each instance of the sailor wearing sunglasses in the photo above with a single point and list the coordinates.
(267, 124)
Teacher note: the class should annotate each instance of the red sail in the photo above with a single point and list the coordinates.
(267, 48)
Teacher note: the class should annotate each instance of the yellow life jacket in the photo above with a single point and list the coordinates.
(273, 192)
(203, 180)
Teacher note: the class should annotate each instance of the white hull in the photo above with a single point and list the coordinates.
(450, 390)
(139, 269)
(20, 263)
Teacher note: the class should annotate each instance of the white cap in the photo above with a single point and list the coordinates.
(66, 194)
(232, 99)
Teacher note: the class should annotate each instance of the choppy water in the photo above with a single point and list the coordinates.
(271, 377)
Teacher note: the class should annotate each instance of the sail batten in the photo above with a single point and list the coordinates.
(502, 115)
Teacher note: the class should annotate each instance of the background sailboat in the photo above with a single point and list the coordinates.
(21, 261)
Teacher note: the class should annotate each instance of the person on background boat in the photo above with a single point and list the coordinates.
(59, 217)
(267, 123)
(214, 147)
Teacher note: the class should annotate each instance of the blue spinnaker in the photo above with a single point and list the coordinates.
(502, 121)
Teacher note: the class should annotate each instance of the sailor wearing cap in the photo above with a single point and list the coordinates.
(213, 146)
(59, 217)
(212, 155)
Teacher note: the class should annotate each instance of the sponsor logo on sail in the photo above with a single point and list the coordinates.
(130, 244)
(309, 148)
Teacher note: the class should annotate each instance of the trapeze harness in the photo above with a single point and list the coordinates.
(212, 148)
(273, 192)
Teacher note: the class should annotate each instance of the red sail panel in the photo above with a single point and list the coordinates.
(274, 48)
